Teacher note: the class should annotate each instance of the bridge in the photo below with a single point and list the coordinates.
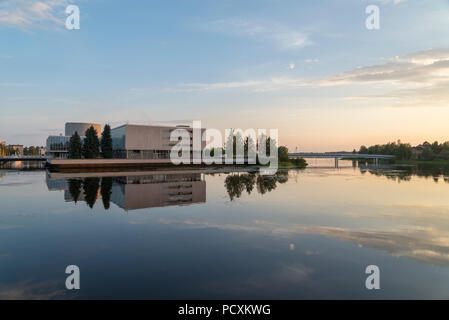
(340, 155)
(22, 158)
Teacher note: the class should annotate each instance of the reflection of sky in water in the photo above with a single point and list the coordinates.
(307, 234)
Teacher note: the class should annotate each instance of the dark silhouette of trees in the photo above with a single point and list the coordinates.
(106, 191)
(75, 189)
(234, 186)
(106, 142)
(283, 154)
(91, 145)
(75, 147)
(236, 183)
(91, 186)
(402, 151)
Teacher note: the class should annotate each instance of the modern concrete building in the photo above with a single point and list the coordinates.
(58, 146)
(146, 142)
(129, 141)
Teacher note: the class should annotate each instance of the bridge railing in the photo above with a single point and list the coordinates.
(340, 155)
(23, 157)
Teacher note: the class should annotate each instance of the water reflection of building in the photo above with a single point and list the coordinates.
(137, 191)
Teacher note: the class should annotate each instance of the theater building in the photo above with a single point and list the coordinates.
(58, 146)
(131, 141)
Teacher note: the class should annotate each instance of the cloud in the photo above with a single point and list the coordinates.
(394, 2)
(283, 37)
(12, 84)
(31, 14)
(425, 67)
(428, 244)
(28, 290)
(4, 56)
(415, 79)
(278, 83)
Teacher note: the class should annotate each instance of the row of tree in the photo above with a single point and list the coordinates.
(238, 141)
(27, 151)
(91, 147)
(89, 187)
(404, 151)
(31, 151)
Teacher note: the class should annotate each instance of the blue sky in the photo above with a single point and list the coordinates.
(309, 68)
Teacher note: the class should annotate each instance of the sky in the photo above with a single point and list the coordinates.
(311, 69)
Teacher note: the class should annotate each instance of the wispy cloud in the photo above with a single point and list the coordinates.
(281, 36)
(393, 2)
(12, 84)
(276, 83)
(426, 67)
(412, 79)
(30, 14)
(5, 56)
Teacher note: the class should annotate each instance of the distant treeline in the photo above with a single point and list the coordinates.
(12, 151)
(404, 151)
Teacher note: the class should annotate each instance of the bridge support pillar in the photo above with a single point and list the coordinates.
(336, 162)
(377, 162)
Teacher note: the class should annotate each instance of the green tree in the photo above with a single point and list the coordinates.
(283, 154)
(363, 150)
(427, 154)
(91, 145)
(435, 147)
(75, 146)
(106, 142)
(249, 148)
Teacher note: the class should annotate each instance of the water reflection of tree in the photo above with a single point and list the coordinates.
(236, 183)
(75, 189)
(91, 186)
(405, 173)
(106, 190)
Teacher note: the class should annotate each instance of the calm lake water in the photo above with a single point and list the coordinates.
(301, 234)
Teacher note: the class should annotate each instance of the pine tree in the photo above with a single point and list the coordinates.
(106, 142)
(75, 147)
(90, 187)
(91, 146)
(106, 191)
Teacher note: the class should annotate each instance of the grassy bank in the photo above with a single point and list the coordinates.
(293, 164)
